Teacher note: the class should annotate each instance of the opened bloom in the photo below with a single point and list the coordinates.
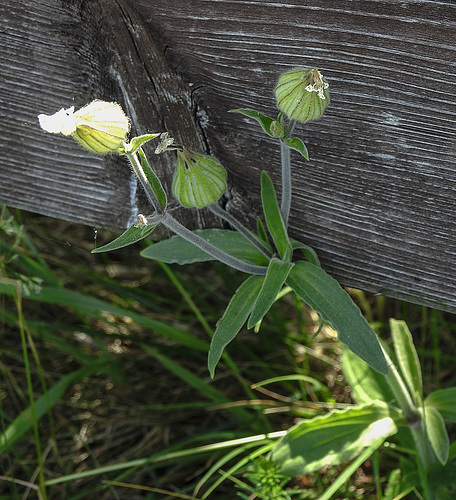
(101, 127)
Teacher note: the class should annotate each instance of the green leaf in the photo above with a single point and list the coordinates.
(137, 142)
(262, 234)
(437, 434)
(334, 305)
(444, 401)
(86, 304)
(154, 181)
(233, 319)
(263, 120)
(332, 439)
(367, 385)
(407, 358)
(296, 144)
(24, 421)
(275, 278)
(199, 384)
(274, 219)
(308, 252)
(131, 235)
(176, 250)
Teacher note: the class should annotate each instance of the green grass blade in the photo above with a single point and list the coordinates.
(197, 383)
(351, 469)
(92, 306)
(324, 294)
(233, 319)
(24, 421)
(220, 463)
(241, 463)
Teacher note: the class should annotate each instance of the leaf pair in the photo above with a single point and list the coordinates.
(251, 301)
(275, 128)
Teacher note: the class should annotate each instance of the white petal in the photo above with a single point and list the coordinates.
(62, 122)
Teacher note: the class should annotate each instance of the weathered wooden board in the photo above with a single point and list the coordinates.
(377, 198)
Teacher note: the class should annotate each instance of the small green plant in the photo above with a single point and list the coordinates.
(199, 181)
(389, 398)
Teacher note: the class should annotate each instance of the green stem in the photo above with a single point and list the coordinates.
(285, 202)
(212, 250)
(236, 224)
(138, 170)
(18, 300)
(412, 415)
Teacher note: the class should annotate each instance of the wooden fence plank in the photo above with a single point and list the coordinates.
(377, 198)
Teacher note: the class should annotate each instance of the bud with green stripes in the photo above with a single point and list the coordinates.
(302, 94)
(199, 180)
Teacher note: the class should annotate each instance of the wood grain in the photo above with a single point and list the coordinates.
(377, 198)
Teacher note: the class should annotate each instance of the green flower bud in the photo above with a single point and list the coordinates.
(302, 94)
(199, 180)
(277, 128)
(101, 127)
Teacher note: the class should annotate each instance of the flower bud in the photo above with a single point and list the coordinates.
(302, 94)
(101, 127)
(199, 180)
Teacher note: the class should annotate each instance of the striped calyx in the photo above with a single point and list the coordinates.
(199, 180)
(302, 94)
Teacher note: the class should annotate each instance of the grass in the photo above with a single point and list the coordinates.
(104, 386)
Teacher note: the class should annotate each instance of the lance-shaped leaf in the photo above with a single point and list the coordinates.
(309, 252)
(444, 401)
(130, 236)
(233, 319)
(154, 181)
(333, 439)
(296, 144)
(176, 250)
(368, 386)
(274, 219)
(407, 358)
(137, 142)
(437, 434)
(334, 305)
(275, 278)
(263, 120)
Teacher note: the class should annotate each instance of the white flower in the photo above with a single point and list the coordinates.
(100, 127)
(62, 122)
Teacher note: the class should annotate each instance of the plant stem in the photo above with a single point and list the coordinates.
(212, 250)
(138, 170)
(285, 202)
(236, 224)
(412, 414)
